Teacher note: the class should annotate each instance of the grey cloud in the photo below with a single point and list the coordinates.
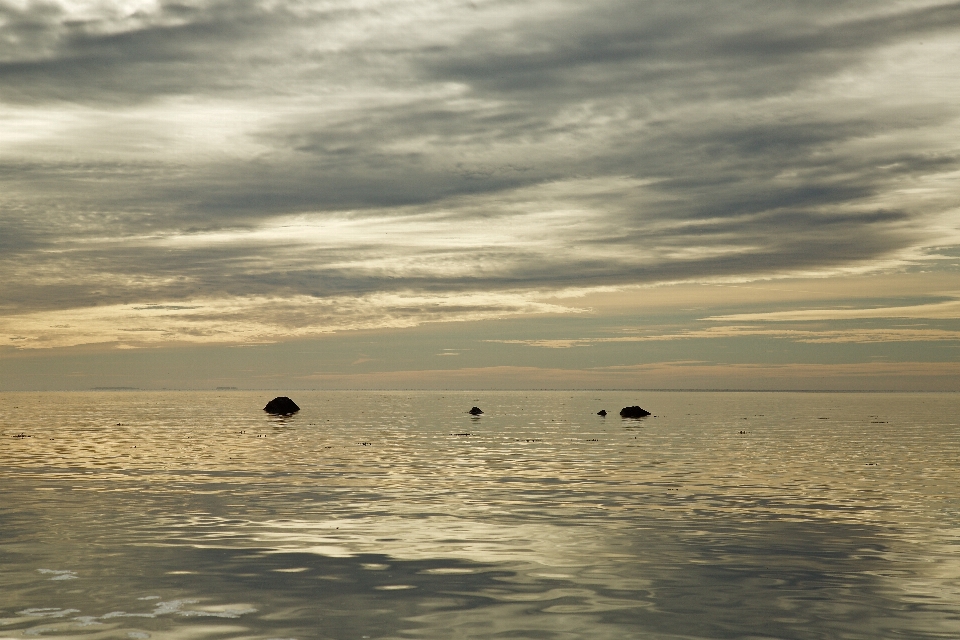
(721, 157)
(145, 272)
(699, 48)
(232, 48)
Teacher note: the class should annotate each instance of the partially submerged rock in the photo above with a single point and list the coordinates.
(633, 412)
(475, 411)
(281, 406)
(602, 412)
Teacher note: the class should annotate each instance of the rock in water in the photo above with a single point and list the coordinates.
(602, 412)
(475, 411)
(633, 412)
(281, 406)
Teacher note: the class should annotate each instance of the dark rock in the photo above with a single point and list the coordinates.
(602, 412)
(281, 406)
(475, 411)
(633, 412)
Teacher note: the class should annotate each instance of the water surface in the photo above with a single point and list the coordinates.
(397, 515)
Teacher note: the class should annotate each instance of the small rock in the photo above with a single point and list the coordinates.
(602, 412)
(633, 412)
(282, 406)
(475, 411)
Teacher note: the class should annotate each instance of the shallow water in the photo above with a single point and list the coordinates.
(397, 515)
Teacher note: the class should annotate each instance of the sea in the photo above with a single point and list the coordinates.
(195, 515)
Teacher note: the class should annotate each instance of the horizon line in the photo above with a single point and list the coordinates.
(564, 389)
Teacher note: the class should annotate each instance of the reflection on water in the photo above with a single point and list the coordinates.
(398, 515)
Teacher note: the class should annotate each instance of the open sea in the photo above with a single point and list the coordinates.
(195, 515)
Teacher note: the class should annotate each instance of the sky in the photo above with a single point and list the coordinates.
(485, 194)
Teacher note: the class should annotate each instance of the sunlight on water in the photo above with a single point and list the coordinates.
(398, 515)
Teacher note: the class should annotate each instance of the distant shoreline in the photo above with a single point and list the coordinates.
(405, 390)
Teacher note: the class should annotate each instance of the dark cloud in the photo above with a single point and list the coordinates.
(704, 49)
(178, 49)
(677, 141)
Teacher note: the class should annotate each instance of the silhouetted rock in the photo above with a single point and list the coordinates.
(602, 412)
(281, 406)
(633, 412)
(475, 411)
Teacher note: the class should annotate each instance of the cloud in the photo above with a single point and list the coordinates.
(823, 336)
(120, 52)
(947, 310)
(727, 47)
(254, 319)
(809, 326)
(181, 153)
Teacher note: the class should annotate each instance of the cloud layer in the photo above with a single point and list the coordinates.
(223, 155)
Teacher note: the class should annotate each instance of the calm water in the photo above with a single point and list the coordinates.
(397, 515)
